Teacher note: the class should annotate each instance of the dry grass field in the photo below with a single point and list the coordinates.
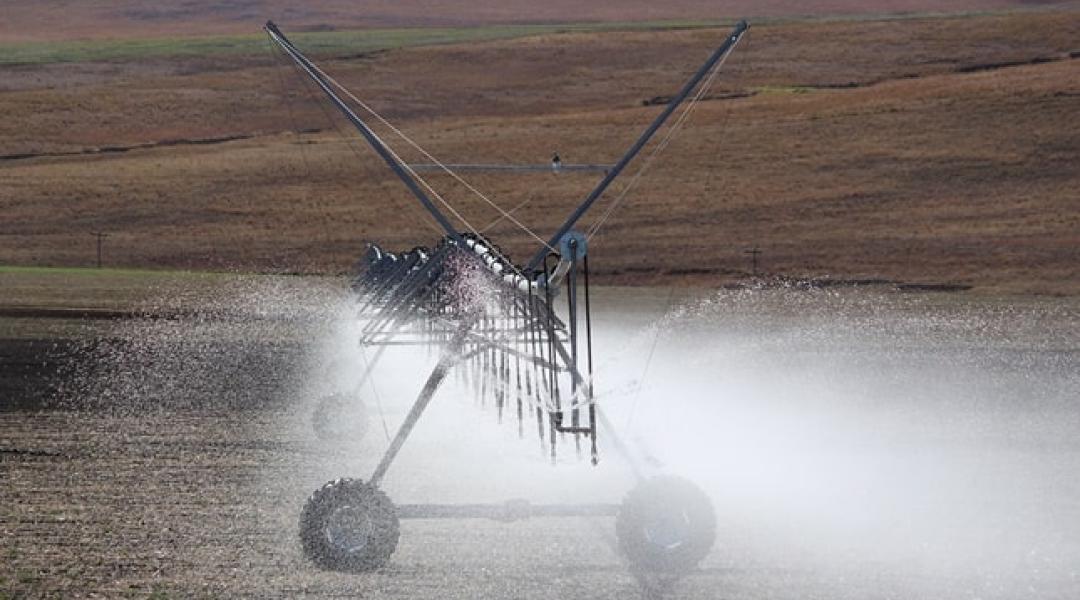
(26, 20)
(938, 149)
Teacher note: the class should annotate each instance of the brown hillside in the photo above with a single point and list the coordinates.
(28, 20)
(904, 150)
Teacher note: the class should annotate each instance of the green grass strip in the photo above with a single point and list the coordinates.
(369, 40)
(315, 43)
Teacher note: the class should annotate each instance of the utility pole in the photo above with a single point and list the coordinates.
(100, 235)
(753, 252)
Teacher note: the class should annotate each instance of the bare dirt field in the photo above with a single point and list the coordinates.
(926, 150)
(855, 444)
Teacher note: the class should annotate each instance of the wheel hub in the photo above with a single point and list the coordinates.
(668, 531)
(349, 528)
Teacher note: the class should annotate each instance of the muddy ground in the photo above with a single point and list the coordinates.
(203, 502)
(931, 459)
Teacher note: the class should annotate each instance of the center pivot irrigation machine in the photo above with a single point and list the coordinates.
(524, 349)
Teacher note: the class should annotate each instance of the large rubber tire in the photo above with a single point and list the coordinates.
(340, 417)
(666, 526)
(349, 525)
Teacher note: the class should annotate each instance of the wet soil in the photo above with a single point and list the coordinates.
(198, 494)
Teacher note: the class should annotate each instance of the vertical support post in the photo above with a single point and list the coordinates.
(572, 310)
(588, 347)
(553, 373)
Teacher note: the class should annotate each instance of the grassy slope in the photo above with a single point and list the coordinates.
(346, 42)
(313, 43)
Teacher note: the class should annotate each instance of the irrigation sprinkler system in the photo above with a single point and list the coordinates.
(521, 335)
